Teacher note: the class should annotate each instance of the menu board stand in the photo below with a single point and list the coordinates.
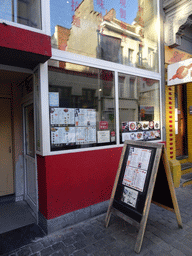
(158, 176)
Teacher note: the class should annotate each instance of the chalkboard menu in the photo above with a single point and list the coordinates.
(133, 182)
(142, 175)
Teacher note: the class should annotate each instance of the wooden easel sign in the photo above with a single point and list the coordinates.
(142, 175)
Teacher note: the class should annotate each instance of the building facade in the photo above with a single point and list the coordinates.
(178, 34)
(77, 80)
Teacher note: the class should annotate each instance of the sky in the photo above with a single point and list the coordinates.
(63, 10)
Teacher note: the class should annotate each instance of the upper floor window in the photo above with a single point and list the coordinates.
(26, 12)
(107, 29)
(130, 57)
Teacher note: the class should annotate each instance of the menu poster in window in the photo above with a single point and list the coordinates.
(132, 126)
(129, 136)
(62, 116)
(91, 134)
(139, 135)
(145, 125)
(156, 125)
(80, 117)
(70, 135)
(68, 115)
(54, 114)
(91, 117)
(85, 117)
(81, 133)
(125, 136)
(62, 135)
(54, 99)
(103, 136)
(129, 196)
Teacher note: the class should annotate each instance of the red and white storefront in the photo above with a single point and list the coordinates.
(67, 181)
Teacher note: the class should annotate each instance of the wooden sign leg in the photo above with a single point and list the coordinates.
(107, 219)
(143, 223)
(171, 187)
(140, 236)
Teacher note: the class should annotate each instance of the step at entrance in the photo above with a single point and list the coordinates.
(185, 166)
(186, 174)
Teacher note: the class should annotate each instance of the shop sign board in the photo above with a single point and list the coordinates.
(143, 174)
(103, 125)
(180, 72)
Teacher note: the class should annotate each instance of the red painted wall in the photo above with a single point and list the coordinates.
(24, 40)
(73, 181)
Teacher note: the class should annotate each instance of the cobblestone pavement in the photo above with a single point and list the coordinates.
(162, 235)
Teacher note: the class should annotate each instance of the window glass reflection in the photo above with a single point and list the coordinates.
(120, 31)
(21, 11)
(81, 105)
(139, 108)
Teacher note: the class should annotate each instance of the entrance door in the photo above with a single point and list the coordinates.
(31, 189)
(181, 120)
(6, 165)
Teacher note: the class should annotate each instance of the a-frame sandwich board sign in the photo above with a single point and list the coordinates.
(143, 174)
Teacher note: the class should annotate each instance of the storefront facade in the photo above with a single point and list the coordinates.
(177, 30)
(101, 86)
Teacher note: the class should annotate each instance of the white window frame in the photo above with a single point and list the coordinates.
(45, 20)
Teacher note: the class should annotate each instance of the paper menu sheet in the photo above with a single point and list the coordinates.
(134, 178)
(63, 116)
(129, 196)
(91, 134)
(136, 168)
(62, 135)
(85, 117)
(139, 158)
(67, 135)
(85, 135)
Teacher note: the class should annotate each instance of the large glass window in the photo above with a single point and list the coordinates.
(26, 12)
(81, 106)
(139, 108)
(120, 31)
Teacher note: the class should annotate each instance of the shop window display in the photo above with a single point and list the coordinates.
(81, 106)
(139, 108)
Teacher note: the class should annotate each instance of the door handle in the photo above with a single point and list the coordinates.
(10, 149)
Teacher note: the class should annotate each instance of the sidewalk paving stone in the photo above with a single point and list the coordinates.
(162, 236)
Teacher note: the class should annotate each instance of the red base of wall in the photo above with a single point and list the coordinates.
(73, 181)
